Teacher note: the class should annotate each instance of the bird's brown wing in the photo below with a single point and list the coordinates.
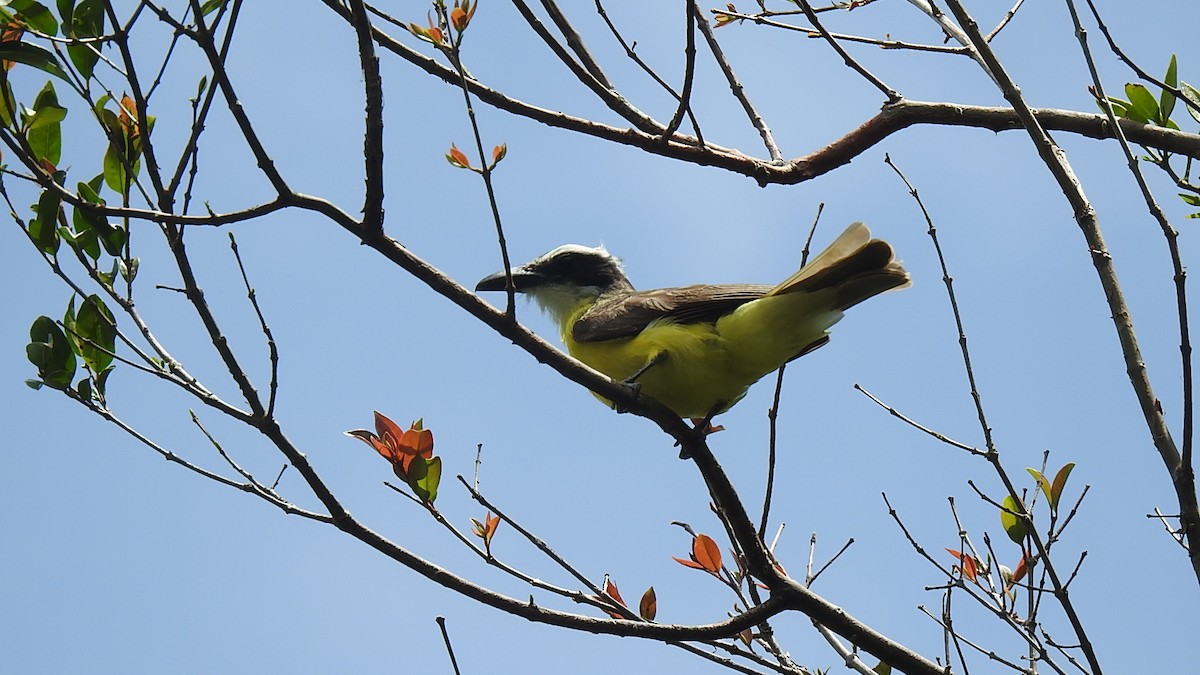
(626, 315)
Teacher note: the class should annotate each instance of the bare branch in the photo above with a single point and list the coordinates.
(373, 133)
(1182, 474)
(891, 94)
(735, 85)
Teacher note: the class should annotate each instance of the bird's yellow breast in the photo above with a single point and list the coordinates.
(707, 367)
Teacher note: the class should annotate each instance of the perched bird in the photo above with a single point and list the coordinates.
(697, 349)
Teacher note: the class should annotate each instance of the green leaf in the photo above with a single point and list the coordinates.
(116, 177)
(69, 321)
(211, 6)
(43, 229)
(65, 9)
(111, 236)
(1145, 108)
(1014, 525)
(44, 116)
(882, 669)
(35, 15)
(8, 103)
(50, 352)
(44, 236)
(1190, 199)
(100, 108)
(83, 236)
(110, 277)
(1042, 483)
(1120, 106)
(95, 333)
(1166, 100)
(84, 387)
(1193, 95)
(129, 269)
(1060, 481)
(424, 476)
(87, 21)
(122, 158)
(43, 128)
(84, 58)
(200, 88)
(32, 55)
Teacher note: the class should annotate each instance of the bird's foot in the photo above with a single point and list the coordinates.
(703, 428)
(635, 392)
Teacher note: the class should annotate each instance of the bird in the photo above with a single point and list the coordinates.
(697, 349)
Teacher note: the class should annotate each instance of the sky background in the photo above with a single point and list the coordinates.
(116, 561)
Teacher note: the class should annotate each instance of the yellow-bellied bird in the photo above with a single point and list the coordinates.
(697, 349)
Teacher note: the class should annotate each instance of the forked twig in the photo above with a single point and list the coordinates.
(735, 85)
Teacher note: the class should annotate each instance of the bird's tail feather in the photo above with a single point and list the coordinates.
(855, 265)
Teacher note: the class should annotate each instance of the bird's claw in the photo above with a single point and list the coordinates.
(635, 392)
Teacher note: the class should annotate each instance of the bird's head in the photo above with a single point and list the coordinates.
(561, 280)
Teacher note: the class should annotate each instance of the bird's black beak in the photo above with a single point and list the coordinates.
(522, 280)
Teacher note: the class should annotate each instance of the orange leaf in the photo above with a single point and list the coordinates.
(435, 34)
(373, 441)
(499, 152)
(486, 530)
(457, 158)
(10, 32)
(706, 552)
(128, 110)
(362, 435)
(968, 566)
(1022, 569)
(417, 441)
(610, 589)
(687, 563)
(459, 19)
(396, 446)
(648, 607)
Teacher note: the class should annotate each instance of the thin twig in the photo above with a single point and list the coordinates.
(539, 544)
(891, 94)
(773, 412)
(958, 322)
(735, 85)
(689, 56)
(272, 348)
(1008, 16)
(1120, 54)
(918, 426)
(689, 75)
(605, 93)
(761, 19)
(441, 622)
(811, 577)
(575, 42)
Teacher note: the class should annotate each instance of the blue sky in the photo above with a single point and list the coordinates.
(117, 561)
